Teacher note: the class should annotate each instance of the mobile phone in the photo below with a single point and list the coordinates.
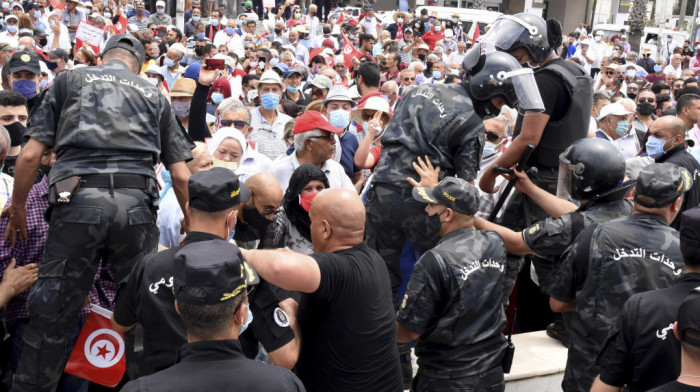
(214, 64)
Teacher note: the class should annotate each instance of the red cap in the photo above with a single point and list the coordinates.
(311, 120)
(328, 43)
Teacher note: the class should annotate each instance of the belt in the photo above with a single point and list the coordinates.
(132, 181)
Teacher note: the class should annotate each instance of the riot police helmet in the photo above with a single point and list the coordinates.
(529, 32)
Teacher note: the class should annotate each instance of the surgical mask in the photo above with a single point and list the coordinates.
(454, 71)
(697, 48)
(239, 22)
(274, 61)
(214, 22)
(217, 98)
(386, 97)
(657, 68)
(365, 126)
(153, 81)
(250, 316)
(370, 19)
(195, 18)
(489, 149)
(43, 84)
(420, 78)
(340, 118)
(306, 200)
(630, 73)
(169, 62)
(253, 64)
(25, 87)
(668, 39)
(292, 89)
(181, 109)
(270, 100)
(646, 108)
(598, 38)
(229, 30)
(12, 28)
(437, 74)
(37, 14)
(297, 14)
(225, 164)
(655, 147)
(108, 15)
(416, 25)
(621, 128)
(399, 20)
(454, 20)
(43, 41)
(438, 28)
(351, 36)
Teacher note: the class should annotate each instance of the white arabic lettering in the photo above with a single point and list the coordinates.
(661, 333)
(153, 287)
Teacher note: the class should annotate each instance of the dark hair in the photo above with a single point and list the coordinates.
(690, 80)
(290, 108)
(599, 96)
(208, 48)
(249, 22)
(178, 33)
(370, 74)
(662, 99)
(366, 37)
(658, 86)
(207, 321)
(452, 78)
(12, 98)
(686, 98)
(247, 78)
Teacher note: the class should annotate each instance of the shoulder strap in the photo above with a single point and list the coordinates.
(564, 73)
(584, 252)
(577, 224)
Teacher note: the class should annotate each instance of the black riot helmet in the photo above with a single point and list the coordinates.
(530, 32)
(499, 74)
(592, 169)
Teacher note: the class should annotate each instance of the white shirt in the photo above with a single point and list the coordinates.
(370, 27)
(456, 57)
(598, 49)
(63, 40)
(584, 62)
(669, 68)
(232, 42)
(283, 169)
(10, 39)
(313, 26)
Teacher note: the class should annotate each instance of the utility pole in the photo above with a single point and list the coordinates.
(693, 25)
(595, 5)
(681, 16)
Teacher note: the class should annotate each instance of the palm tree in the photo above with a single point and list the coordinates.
(479, 4)
(639, 10)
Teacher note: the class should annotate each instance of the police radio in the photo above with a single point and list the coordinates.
(507, 360)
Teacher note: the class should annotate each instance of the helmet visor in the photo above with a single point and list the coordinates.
(529, 99)
(564, 181)
(505, 31)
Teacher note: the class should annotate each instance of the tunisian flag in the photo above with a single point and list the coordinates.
(61, 5)
(477, 34)
(349, 51)
(120, 26)
(98, 354)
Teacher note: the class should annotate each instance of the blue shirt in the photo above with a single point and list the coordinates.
(349, 145)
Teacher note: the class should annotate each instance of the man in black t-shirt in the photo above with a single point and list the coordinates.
(346, 318)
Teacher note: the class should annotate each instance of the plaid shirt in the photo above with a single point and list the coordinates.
(31, 251)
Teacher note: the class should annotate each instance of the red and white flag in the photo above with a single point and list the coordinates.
(477, 34)
(98, 354)
(349, 51)
(120, 26)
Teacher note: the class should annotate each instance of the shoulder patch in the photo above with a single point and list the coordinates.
(534, 229)
(281, 317)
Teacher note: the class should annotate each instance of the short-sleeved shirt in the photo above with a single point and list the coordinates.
(285, 167)
(68, 20)
(268, 138)
(160, 20)
(141, 24)
(438, 121)
(642, 338)
(348, 325)
(454, 300)
(108, 121)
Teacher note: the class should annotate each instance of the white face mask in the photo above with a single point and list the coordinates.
(598, 38)
(630, 73)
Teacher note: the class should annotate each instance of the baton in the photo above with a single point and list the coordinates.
(511, 183)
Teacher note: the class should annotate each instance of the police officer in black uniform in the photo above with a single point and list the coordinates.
(641, 351)
(567, 94)
(442, 122)
(147, 296)
(211, 283)
(454, 300)
(109, 128)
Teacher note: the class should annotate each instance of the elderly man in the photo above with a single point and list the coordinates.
(613, 125)
(228, 37)
(390, 92)
(314, 142)
(268, 122)
(171, 68)
(257, 213)
(160, 18)
(406, 78)
(675, 65)
(338, 282)
(337, 108)
(300, 51)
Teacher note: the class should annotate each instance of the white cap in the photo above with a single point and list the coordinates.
(614, 109)
(180, 48)
(449, 33)
(160, 3)
(228, 60)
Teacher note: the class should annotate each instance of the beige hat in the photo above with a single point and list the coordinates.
(270, 77)
(372, 103)
(421, 46)
(183, 87)
(400, 13)
(301, 30)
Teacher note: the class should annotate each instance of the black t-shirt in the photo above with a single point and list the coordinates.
(348, 326)
(675, 386)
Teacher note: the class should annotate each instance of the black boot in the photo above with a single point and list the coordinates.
(406, 366)
(559, 330)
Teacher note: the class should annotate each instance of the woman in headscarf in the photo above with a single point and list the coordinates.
(220, 90)
(229, 149)
(291, 227)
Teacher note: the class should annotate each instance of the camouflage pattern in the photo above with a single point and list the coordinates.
(454, 300)
(627, 256)
(107, 120)
(81, 233)
(438, 121)
(393, 217)
(549, 239)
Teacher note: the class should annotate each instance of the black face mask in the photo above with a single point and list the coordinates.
(44, 170)
(9, 167)
(43, 41)
(675, 92)
(16, 130)
(485, 108)
(421, 57)
(51, 65)
(256, 220)
(278, 31)
(632, 95)
(646, 108)
(198, 51)
(326, 31)
(429, 65)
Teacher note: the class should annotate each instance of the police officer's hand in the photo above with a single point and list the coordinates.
(17, 280)
(524, 184)
(207, 76)
(487, 183)
(428, 174)
(17, 225)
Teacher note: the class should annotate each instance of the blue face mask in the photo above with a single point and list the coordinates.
(229, 30)
(248, 321)
(270, 101)
(195, 18)
(657, 68)
(351, 36)
(214, 22)
(44, 83)
(160, 11)
(340, 118)
(621, 128)
(655, 147)
(37, 14)
(489, 149)
(12, 28)
(365, 126)
(200, 35)
(386, 97)
(169, 62)
(437, 74)
(25, 87)
(292, 89)
(217, 98)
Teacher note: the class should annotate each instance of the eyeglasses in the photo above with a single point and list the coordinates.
(650, 100)
(493, 137)
(408, 79)
(250, 48)
(235, 123)
(632, 89)
(316, 92)
(610, 72)
(367, 117)
(328, 136)
(266, 210)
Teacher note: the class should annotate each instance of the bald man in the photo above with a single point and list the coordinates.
(666, 143)
(346, 318)
(257, 213)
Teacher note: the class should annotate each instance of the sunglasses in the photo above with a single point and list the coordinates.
(610, 72)
(250, 48)
(328, 136)
(408, 79)
(632, 89)
(316, 92)
(235, 123)
(493, 137)
(650, 100)
(367, 117)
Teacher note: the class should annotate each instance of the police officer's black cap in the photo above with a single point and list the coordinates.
(689, 318)
(211, 272)
(58, 53)
(659, 184)
(451, 192)
(690, 235)
(25, 61)
(129, 43)
(217, 189)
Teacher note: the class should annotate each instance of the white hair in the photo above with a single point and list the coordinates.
(4, 138)
(413, 64)
(300, 138)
